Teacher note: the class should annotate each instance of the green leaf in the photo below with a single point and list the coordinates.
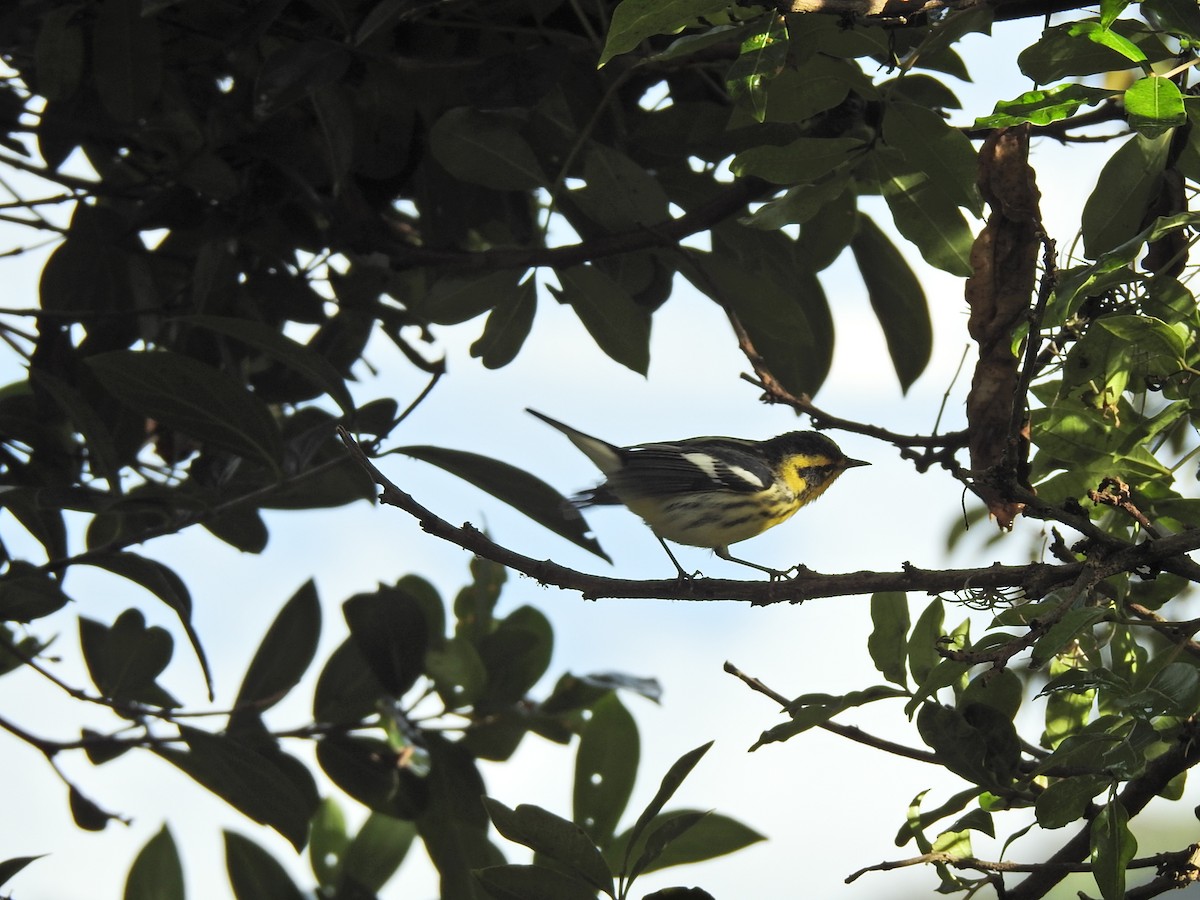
(156, 873)
(1064, 631)
(709, 836)
(254, 873)
(327, 842)
(554, 837)
(532, 883)
(300, 359)
(268, 788)
(487, 149)
(1066, 800)
(923, 215)
(1153, 105)
(1001, 689)
(457, 672)
(377, 851)
(516, 654)
(804, 161)
(763, 55)
(1041, 107)
(818, 84)
(635, 20)
(507, 326)
(887, 643)
(810, 710)
(1113, 846)
(977, 743)
(1110, 9)
(932, 146)
(391, 632)
(516, 487)
(1100, 33)
(1083, 48)
(164, 583)
(923, 642)
(283, 656)
(620, 327)
(606, 766)
(661, 834)
(189, 396)
(670, 784)
(897, 299)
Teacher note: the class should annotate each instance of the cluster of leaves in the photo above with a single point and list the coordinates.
(384, 708)
(1110, 355)
(276, 183)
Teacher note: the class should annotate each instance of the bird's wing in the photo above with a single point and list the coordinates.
(703, 464)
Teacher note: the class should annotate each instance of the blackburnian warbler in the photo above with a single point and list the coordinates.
(712, 491)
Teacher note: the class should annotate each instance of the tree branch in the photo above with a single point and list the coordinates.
(1034, 579)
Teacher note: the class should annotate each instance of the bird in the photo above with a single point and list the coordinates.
(711, 491)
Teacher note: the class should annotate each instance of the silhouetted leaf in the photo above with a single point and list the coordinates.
(161, 581)
(10, 867)
(284, 654)
(297, 357)
(126, 59)
(553, 837)
(897, 299)
(516, 654)
(367, 769)
(259, 785)
(27, 594)
(516, 487)
(124, 659)
(507, 326)
(618, 325)
(189, 396)
(707, 837)
(347, 690)
(487, 149)
(392, 634)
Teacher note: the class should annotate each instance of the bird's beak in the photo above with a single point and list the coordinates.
(851, 463)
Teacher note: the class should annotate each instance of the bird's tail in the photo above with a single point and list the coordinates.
(606, 456)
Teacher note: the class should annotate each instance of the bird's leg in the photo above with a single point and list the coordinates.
(683, 575)
(776, 574)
